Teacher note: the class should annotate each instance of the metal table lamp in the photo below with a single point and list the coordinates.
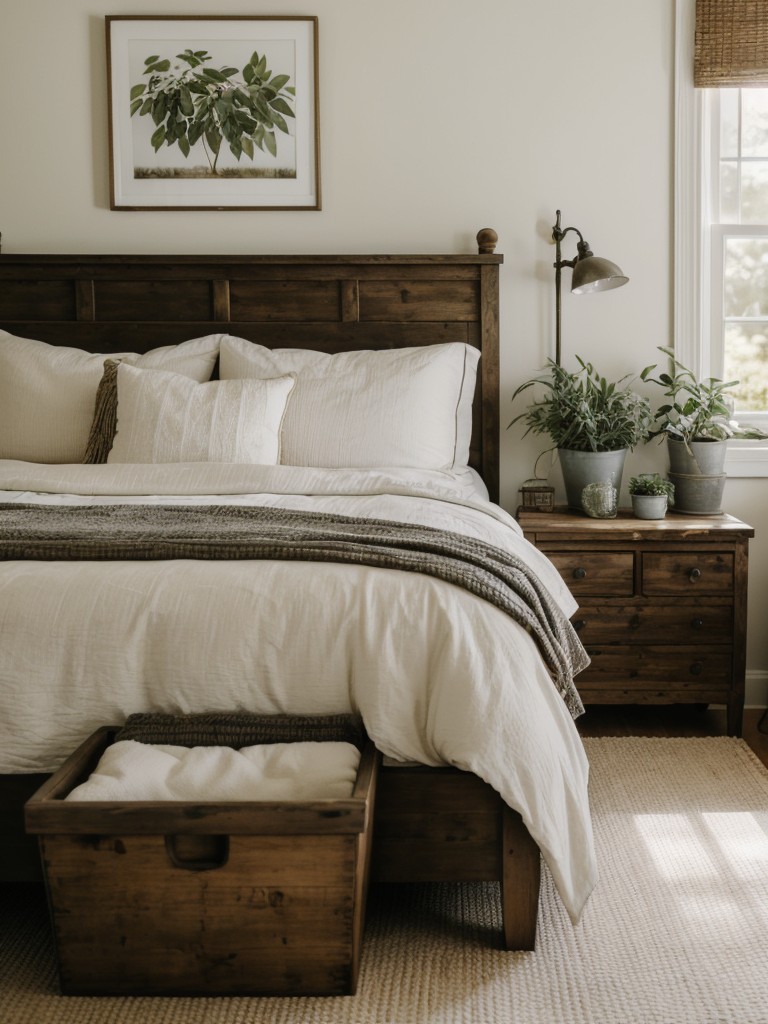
(590, 273)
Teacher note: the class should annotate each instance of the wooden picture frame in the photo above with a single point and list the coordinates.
(213, 113)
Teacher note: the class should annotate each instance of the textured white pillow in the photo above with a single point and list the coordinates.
(165, 417)
(47, 392)
(363, 409)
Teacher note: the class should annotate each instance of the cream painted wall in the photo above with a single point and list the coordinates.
(437, 119)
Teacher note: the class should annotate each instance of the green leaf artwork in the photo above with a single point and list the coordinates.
(190, 102)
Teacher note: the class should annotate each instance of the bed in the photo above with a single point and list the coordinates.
(471, 702)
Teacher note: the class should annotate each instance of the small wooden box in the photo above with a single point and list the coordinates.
(538, 496)
(171, 898)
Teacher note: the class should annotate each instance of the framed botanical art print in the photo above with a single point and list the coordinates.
(213, 113)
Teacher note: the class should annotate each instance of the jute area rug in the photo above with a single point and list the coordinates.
(676, 932)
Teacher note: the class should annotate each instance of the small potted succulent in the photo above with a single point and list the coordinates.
(651, 495)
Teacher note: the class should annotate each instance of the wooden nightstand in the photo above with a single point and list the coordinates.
(662, 605)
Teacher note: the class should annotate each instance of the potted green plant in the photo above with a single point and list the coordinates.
(651, 495)
(591, 422)
(698, 414)
(697, 423)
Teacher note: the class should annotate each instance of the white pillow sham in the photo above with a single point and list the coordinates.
(358, 410)
(47, 392)
(166, 417)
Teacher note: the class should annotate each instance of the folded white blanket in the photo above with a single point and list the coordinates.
(129, 770)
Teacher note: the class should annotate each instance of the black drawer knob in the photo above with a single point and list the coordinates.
(696, 668)
(579, 574)
(579, 624)
(697, 623)
(694, 574)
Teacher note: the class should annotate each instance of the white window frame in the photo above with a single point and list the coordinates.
(698, 249)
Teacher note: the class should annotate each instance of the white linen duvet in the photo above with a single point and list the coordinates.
(438, 675)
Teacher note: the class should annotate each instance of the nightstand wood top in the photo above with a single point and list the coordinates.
(566, 524)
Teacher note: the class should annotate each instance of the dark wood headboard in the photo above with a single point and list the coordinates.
(329, 303)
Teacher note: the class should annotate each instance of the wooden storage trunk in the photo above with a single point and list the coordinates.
(169, 898)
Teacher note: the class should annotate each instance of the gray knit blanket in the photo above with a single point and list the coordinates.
(116, 532)
(240, 729)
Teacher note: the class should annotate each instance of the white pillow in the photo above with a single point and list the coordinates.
(364, 409)
(47, 392)
(165, 417)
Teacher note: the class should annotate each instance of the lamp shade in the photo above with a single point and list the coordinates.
(594, 274)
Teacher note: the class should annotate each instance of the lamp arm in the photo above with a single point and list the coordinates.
(593, 274)
(582, 247)
(582, 251)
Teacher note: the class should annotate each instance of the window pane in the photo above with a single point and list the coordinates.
(746, 277)
(746, 360)
(729, 192)
(754, 192)
(742, 316)
(754, 122)
(729, 123)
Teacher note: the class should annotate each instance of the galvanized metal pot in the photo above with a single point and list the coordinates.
(580, 469)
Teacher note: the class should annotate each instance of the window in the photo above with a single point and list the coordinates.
(738, 245)
(721, 208)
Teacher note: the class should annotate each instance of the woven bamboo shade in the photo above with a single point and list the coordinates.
(731, 47)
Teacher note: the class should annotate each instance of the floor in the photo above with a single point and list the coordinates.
(671, 720)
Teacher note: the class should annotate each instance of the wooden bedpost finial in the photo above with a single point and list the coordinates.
(486, 240)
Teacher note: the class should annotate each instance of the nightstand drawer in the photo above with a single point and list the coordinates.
(688, 572)
(643, 667)
(610, 574)
(654, 623)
